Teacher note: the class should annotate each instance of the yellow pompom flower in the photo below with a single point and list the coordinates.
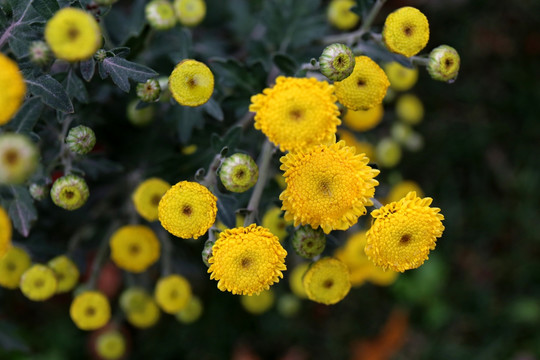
(190, 12)
(13, 89)
(403, 233)
(362, 147)
(327, 281)
(258, 304)
(296, 280)
(140, 308)
(38, 283)
(5, 232)
(296, 113)
(73, 34)
(273, 220)
(134, 248)
(365, 87)
(172, 293)
(67, 273)
(406, 31)
(12, 265)
(247, 260)
(111, 345)
(364, 120)
(327, 186)
(90, 310)
(401, 189)
(147, 196)
(18, 158)
(191, 83)
(401, 78)
(187, 210)
(409, 109)
(340, 15)
(192, 312)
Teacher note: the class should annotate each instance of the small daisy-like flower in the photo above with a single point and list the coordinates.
(362, 147)
(403, 233)
(337, 62)
(308, 242)
(73, 34)
(409, 109)
(187, 210)
(192, 312)
(273, 220)
(190, 12)
(140, 308)
(402, 188)
(111, 345)
(327, 281)
(247, 260)
(66, 273)
(134, 248)
(172, 293)
(149, 91)
(18, 158)
(364, 120)
(327, 186)
(365, 87)
(406, 31)
(81, 139)
(70, 192)
(401, 78)
(40, 53)
(191, 83)
(340, 15)
(38, 283)
(238, 173)
(90, 310)
(296, 113)
(13, 89)
(160, 14)
(296, 280)
(12, 265)
(388, 153)
(147, 196)
(258, 304)
(5, 232)
(444, 63)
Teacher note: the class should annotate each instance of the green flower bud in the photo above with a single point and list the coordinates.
(69, 192)
(160, 14)
(81, 139)
(337, 62)
(149, 91)
(38, 192)
(100, 55)
(444, 63)
(139, 117)
(207, 251)
(308, 242)
(238, 173)
(18, 158)
(40, 53)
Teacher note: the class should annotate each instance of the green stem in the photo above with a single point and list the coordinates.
(376, 203)
(418, 60)
(366, 25)
(65, 154)
(166, 251)
(101, 256)
(210, 179)
(264, 169)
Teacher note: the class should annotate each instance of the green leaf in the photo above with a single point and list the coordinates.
(75, 87)
(88, 67)
(27, 116)
(45, 8)
(187, 118)
(230, 139)
(51, 92)
(121, 70)
(285, 63)
(227, 205)
(231, 72)
(213, 109)
(22, 211)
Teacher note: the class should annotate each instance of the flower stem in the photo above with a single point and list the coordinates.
(210, 179)
(101, 256)
(419, 60)
(371, 16)
(376, 203)
(166, 251)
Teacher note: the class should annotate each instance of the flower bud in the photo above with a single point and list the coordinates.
(444, 63)
(18, 158)
(149, 91)
(69, 192)
(308, 242)
(81, 139)
(38, 192)
(337, 62)
(100, 55)
(207, 251)
(238, 173)
(160, 14)
(40, 53)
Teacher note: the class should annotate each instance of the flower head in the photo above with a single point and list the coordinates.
(149, 91)
(365, 87)
(38, 283)
(403, 233)
(5, 232)
(187, 210)
(409, 109)
(81, 139)
(191, 83)
(110, 345)
(340, 15)
(260, 303)
(296, 113)
(140, 308)
(308, 242)
(73, 34)
(66, 273)
(190, 12)
(327, 186)
(401, 78)
(134, 248)
(364, 120)
(247, 260)
(406, 31)
(90, 310)
(70, 192)
(38, 192)
(238, 173)
(444, 63)
(191, 312)
(12, 265)
(147, 196)
(172, 293)
(13, 89)
(327, 281)
(337, 62)
(18, 158)
(160, 14)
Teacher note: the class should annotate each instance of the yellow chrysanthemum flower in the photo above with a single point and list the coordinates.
(141, 309)
(365, 87)
(190, 12)
(13, 89)
(340, 15)
(296, 280)
(401, 189)
(273, 220)
(67, 273)
(362, 147)
(406, 31)
(5, 232)
(111, 345)
(258, 304)
(296, 113)
(247, 260)
(401, 78)
(147, 196)
(172, 293)
(134, 248)
(38, 283)
(403, 233)
(364, 120)
(12, 265)
(327, 186)
(327, 281)
(191, 83)
(192, 312)
(73, 34)
(18, 158)
(409, 109)
(187, 210)
(90, 310)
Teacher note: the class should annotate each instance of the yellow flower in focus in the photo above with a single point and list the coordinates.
(191, 83)
(111, 345)
(406, 31)
(365, 87)
(67, 273)
(90, 310)
(192, 312)
(13, 89)
(190, 12)
(73, 34)
(364, 120)
(403, 233)
(296, 113)
(327, 281)
(18, 158)
(362, 147)
(401, 78)
(340, 15)
(12, 265)
(247, 260)
(187, 210)
(134, 248)
(296, 280)
(401, 189)
(147, 196)
(258, 304)
(5, 232)
(172, 293)
(38, 283)
(327, 186)
(273, 220)
(409, 109)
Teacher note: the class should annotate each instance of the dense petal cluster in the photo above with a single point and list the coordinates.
(147, 195)
(90, 310)
(38, 283)
(13, 88)
(406, 31)
(191, 83)
(134, 248)
(173, 293)
(327, 281)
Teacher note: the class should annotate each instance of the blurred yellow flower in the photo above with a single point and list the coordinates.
(401, 78)
(147, 195)
(12, 265)
(273, 220)
(110, 345)
(192, 312)
(190, 12)
(134, 248)
(172, 293)
(38, 283)
(364, 120)
(90, 310)
(258, 304)
(409, 109)
(401, 189)
(13, 89)
(66, 273)
(340, 15)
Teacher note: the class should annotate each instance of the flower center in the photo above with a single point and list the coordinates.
(361, 82)
(155, 200)
(408, 30)
(11, 267)
(448, 63)
(191, 82)
(69, 194)
(173, 294)
(296, 114)
(340, 62)
(187, 210)
(246, 263)
(324, 187)
(405, 239)
(309, 243)
(328, 283)
(39, 283)
(73, 33)
(90, 311)
(134, 249)
(11, 156)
